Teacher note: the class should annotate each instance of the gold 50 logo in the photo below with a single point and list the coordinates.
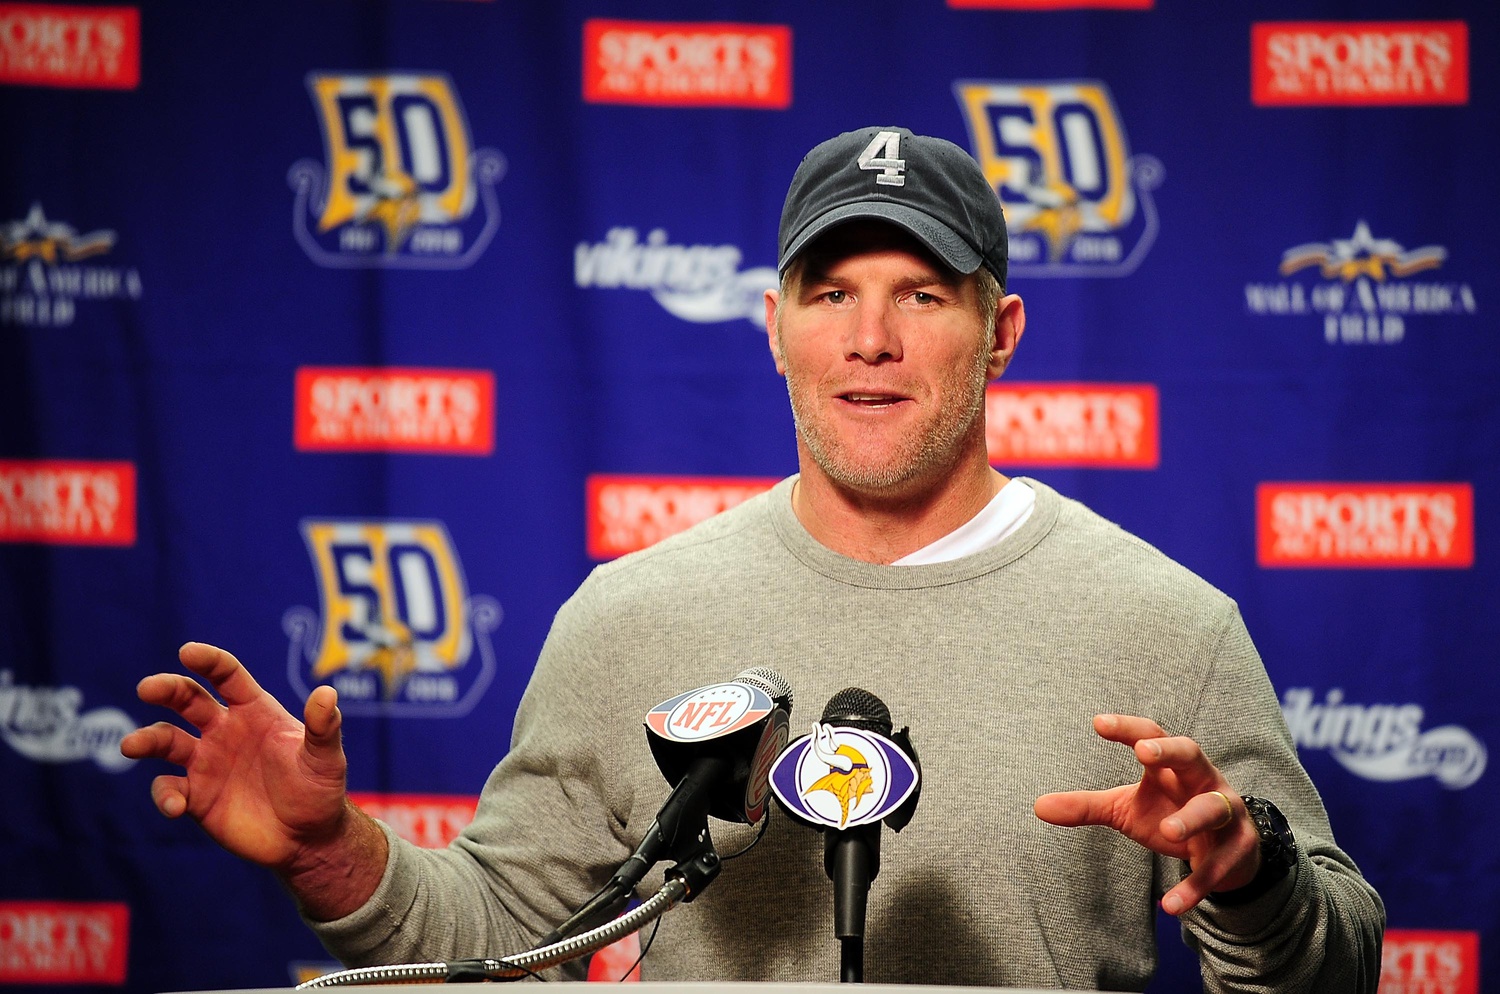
(1076, 202)
(401, 184)
(398, 629)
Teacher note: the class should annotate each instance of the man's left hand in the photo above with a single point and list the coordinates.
(1181, 807)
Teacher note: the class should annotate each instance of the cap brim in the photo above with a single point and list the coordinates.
(941, 239)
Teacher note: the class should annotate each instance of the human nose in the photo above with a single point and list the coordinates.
(873, 338)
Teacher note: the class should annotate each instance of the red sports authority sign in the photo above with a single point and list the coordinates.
(1328, 63)
(687, 63)
(63, 942)
(1426, 962)
(1052, 4)
(1382, 525)
(427, 820)
(44, 44)
(1104, 425)
(626, 513)
(350, 409)
(63, 502)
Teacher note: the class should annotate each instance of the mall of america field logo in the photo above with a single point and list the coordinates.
(401, 185)
(47, 268)
(1077, 203)
(1364, 288)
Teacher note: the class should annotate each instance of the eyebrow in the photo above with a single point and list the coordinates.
(813, 274)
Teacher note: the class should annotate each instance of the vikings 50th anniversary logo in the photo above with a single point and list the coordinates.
(843, 777)
(1077, 203)
(398, 629)
(401, 185)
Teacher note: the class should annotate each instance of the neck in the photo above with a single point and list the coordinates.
(883, 527)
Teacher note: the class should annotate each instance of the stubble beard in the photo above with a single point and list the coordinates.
(934, 445)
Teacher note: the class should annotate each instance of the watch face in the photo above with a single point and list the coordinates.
(1277, 844)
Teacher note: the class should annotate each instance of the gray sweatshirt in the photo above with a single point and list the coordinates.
(997, 661)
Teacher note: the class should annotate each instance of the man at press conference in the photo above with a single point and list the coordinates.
(1098, 737)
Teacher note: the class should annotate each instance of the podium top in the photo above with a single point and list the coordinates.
(696, 987)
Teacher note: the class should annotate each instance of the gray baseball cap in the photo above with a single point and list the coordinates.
(928, 186)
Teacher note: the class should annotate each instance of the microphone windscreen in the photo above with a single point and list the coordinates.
(776, 686)
(858, 708)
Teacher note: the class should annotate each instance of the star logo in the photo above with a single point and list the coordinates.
(35, 237)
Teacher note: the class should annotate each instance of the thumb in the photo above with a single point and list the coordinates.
(1076, 807)
(323, 721)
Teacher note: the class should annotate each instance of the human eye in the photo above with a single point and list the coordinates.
(836, 296)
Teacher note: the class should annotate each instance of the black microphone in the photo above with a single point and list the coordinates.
(847, 778)
(715, 745)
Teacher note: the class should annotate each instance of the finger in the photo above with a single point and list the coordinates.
(322, 720)
(162, 740)
(227, 674)
(1181, 755)
(1203, 813)
(1126, 729)
(1072, 808)
(170, 795)
(1208, 871)
(182, 694)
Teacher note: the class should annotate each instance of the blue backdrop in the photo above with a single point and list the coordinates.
(349, 335)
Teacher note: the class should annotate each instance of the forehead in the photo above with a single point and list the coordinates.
(863, 237)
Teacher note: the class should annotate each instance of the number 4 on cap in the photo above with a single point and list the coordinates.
(883, 156)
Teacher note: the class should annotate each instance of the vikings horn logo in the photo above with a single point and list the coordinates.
(848, 776)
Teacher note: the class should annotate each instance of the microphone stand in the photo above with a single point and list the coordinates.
(851, 859)
(684, 882)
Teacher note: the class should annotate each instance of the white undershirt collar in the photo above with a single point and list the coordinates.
(1006, 512)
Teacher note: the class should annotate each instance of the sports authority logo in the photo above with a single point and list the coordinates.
(49, 725)
(75, 47)
(626, 513)
(1077, 203)
(43, 275)
(1383, 742)
(699, 283)
(1365, 290)
(63, 502)
(397, 628)
(342, 409)
(843, 777)
(1104, 425)
(1328, 63)
(63, 942)
(687, 64)
(1414, 961)
(401, 185)
(1393, 525)
(427, 820)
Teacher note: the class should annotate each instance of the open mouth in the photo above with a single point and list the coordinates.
(871, 401)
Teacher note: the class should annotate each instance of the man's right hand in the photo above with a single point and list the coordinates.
(263, 785)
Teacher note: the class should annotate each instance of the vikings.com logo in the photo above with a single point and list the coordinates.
(398, 629)
(402, 185)
(1077, 203)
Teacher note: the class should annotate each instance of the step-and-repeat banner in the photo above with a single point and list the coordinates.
(351, 335)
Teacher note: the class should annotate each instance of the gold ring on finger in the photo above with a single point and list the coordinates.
(1228, 808)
